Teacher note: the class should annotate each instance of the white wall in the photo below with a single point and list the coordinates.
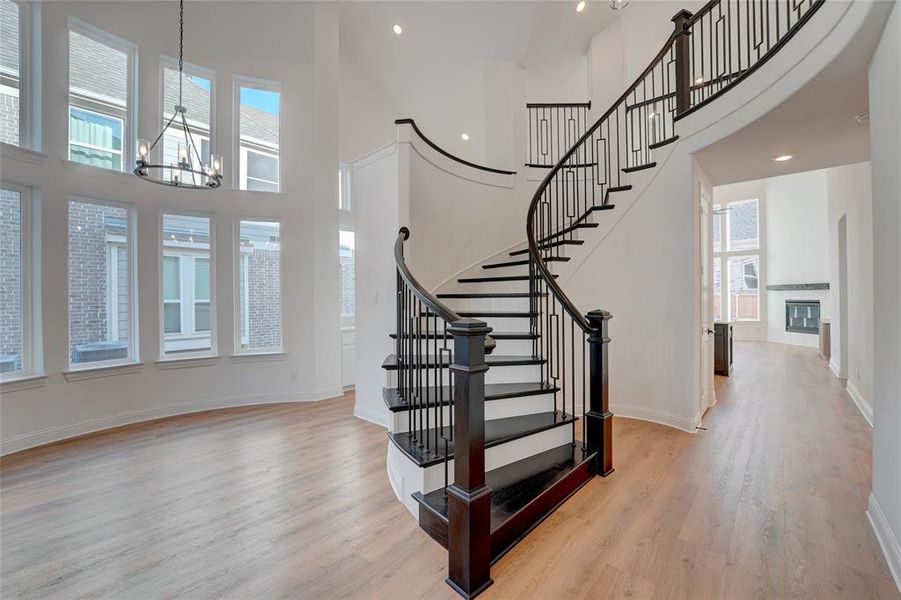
(885, 152)
(292, 43)
(850, 196)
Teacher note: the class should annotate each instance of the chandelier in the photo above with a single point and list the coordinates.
(618, 4)
(189, 171)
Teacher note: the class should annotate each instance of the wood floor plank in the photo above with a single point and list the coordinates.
(292, 501)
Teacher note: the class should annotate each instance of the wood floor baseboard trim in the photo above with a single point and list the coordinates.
(836, 370)
(862, 405)
(368, 414)
(886, 538)
(660, 417)
(72, 430)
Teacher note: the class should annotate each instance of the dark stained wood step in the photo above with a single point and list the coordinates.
(432, 396)
(566, 230)
(523, 494)
(491, 314)
(662, 143)
(650, 165)
(499, 360)
(603, 207)
(516, 263)
(549, 246)
(490, 295)
(497, 432)
(497, 335)
(491, 278)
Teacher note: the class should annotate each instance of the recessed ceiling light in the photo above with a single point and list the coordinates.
(783, 158)
(398, 29)
(652, 115)
(699, 80)
(464, 137)
(580, 6)
(862, 117)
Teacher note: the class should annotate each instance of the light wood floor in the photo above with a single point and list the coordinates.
(292, 501)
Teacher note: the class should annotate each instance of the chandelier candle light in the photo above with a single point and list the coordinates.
(189, 171)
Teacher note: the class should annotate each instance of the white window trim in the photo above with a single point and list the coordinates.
(189, 69)
(185, 250)
(32, 363)
(132, 357)
(239, 180)
(129, 137)
(725, 254)
(243, 336)
(29, 77)
(121, 153)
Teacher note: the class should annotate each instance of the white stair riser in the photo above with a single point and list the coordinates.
(487, 304)
(488, 286)
(514, 347)
(504, 374)
(407, 477)
(494, 409)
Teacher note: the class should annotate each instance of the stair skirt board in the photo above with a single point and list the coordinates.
(510, 374)
(495, 409)
(407, 477)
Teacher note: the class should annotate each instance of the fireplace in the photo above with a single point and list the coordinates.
(802, 316)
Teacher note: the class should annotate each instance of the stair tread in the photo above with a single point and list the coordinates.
(515, 485)
(490, 278)
(493, 391)
(492, 360)
(489, 295)
(497, 431)
(497, 314)
(603, 207)
(522, 262)
(662, 143)
(649, 165)
(549, 245)
(566, 230)
(498, 335)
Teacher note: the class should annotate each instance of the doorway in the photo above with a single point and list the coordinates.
(842, 365)
(708, 398)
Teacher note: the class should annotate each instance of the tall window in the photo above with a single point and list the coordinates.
(736, 261)
(100, 73)
(258, 124)
(186, 276)
(10, 72)
(15, 289)
(198, 98)
(101, 284)
(346, 257)
(259, 286)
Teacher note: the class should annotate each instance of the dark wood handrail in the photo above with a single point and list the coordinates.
(534, 253)
(441, 150)
(432, 303)
(559, 105)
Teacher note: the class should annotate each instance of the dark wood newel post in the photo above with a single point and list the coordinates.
(683, 65)
(599, 419)
(468, 498)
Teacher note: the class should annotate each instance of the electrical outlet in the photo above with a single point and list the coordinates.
(858, 374)
(293, 374)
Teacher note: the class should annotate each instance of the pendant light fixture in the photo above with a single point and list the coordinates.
(618, 4)
(189, 171)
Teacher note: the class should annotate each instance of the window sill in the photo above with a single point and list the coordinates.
(106, 371)
(91, 171)
(22, 382)
(187, 362)
(11, 152)
(257, 356)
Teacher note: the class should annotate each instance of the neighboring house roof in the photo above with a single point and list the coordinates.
(97, 70)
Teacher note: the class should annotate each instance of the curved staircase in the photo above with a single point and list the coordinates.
(497, 389)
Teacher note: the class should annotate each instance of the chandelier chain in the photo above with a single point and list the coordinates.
(181, 46)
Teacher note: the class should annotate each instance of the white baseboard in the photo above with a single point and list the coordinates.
(373, 416)
(862, 405)
(660, 417)
(887, 540)
(62, 432)
(836, 370)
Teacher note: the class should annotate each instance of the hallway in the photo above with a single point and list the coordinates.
(767, 503)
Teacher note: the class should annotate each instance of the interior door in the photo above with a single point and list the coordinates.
(706, 283)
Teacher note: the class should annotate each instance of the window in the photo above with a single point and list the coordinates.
(11, 68)
(258, 130)
(186, 284)
(738, 252)
(346, 257)
(15, 290)
(344, 199)
(259, 286)
(100, 89)
(101, 284)
(198, 98)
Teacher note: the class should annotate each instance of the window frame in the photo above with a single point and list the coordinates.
(239, 180)
(189, 69)
(725, 254)
(30, 224)
(183, 275)
(121, 152)
(131, 242)
(129, 130)
(28, 77)
(242, 334)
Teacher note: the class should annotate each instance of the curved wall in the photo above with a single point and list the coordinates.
(296, 44)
